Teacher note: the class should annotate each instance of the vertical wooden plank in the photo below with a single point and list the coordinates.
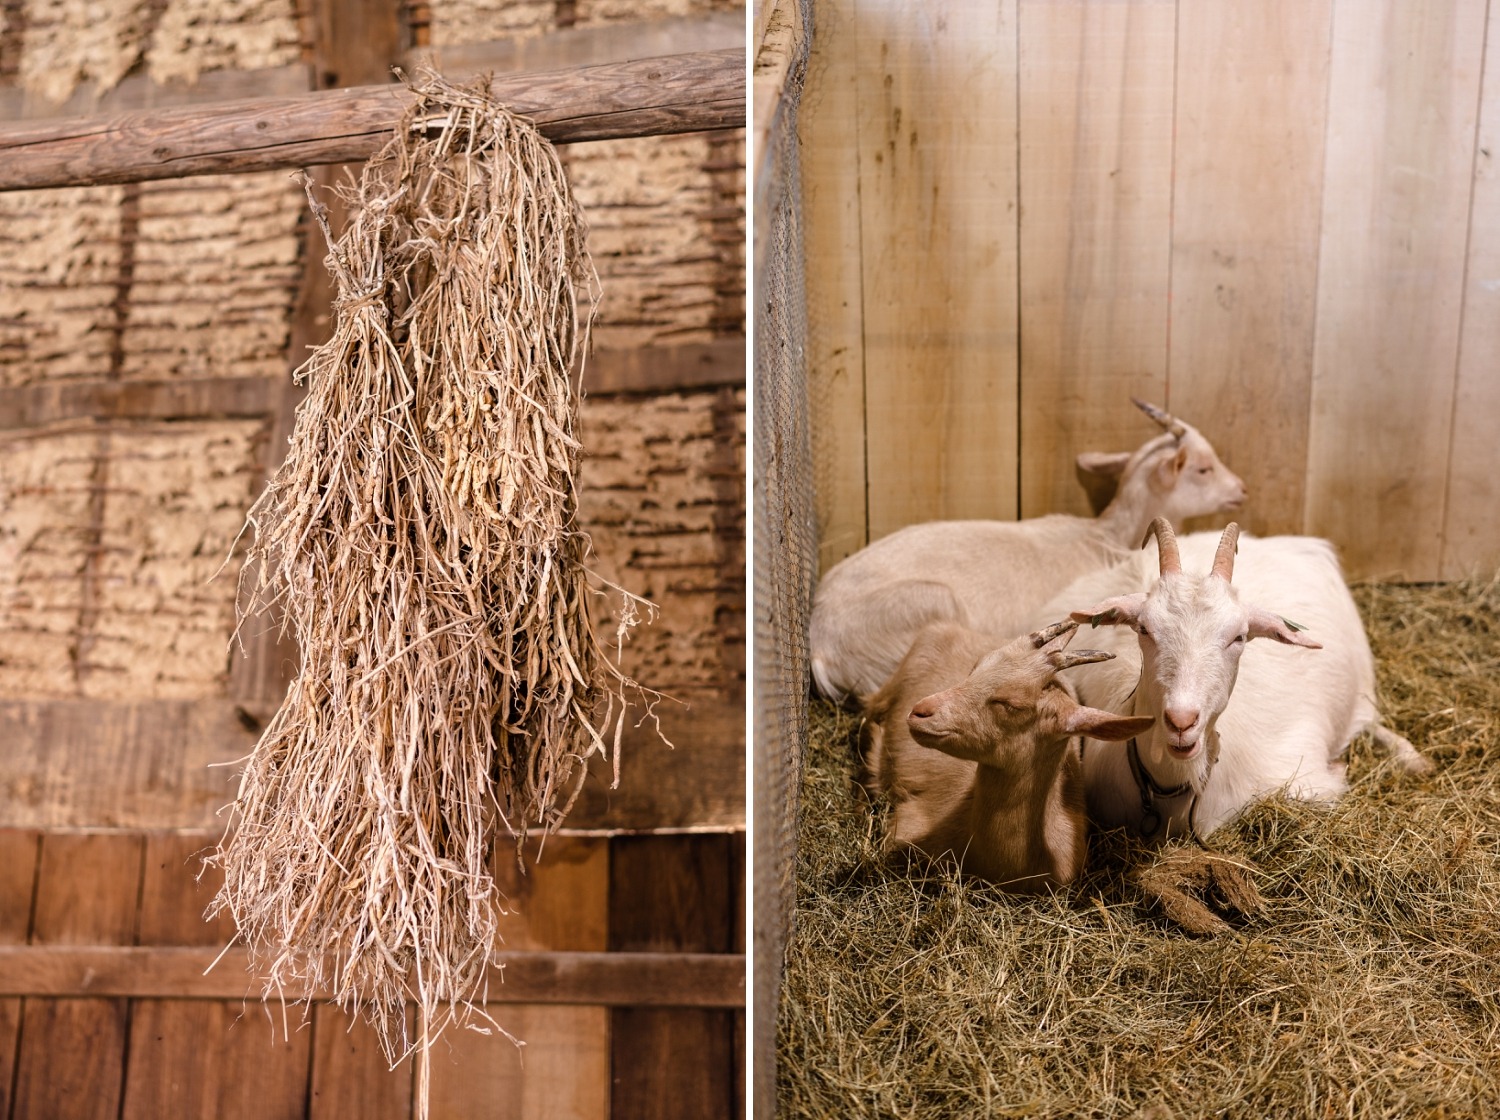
(937, 151)
(835, 308)
(672, 893)
(1471, 534)
(1402, 111)
(1251, 89)
(204, 1057)
(18, 867)
(1096, 92)
(560, 902)
(350, 1076)
(72, 1051)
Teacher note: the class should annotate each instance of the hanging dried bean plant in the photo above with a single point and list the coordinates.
(422, 543)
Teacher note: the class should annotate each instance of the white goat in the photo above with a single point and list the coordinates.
(1005, 796)
(991, 575)
(1229, 724)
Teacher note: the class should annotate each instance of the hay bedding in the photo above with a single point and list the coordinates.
(1367, 985)
(421, 540)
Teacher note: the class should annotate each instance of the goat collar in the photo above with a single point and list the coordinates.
(1151, 818)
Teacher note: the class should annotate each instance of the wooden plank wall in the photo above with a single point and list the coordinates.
(1279, 219)
(153, 1057)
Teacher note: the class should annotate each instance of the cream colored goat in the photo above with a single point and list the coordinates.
(991, 576)
(977, 748)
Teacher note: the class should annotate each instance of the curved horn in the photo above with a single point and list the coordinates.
(1229, 544)
(1067, 658)
(1161, 416)
(1041, 637)
(1166, 544)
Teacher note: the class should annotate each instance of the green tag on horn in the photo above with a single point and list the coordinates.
(1293, 626)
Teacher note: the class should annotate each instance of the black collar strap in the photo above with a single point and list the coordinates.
(1151, 818)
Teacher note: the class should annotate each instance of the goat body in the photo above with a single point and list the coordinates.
(976, 747)
(991, 575)
(1234, 720)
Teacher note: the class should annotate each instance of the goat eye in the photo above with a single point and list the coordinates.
(1140, 628)
(1205, 470)
(1237, 640)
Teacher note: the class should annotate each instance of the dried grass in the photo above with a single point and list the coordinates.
(421, 542)
(1367, 985)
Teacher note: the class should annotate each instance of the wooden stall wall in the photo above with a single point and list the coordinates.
(1277, 218)
(147, 333)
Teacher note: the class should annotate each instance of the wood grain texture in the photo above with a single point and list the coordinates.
(937, 149)
(1471, 540)
(204, 1057)
(350, 1076)
(835, 308)
(19, 850)
(560, 1071)
(1096, 118)
(71, 1052)
(1401, 128)
(1251, 86)
(157, 755)
(613, 979)
(222, 398)
(586, 46)
(679, 93)
(171, 765)
(672, 894)
(141, 91)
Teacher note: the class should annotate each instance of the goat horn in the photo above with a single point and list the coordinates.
(1166, 543)
(1056, 630)
(1168, 422)
(1229, 544)
(1067, 658)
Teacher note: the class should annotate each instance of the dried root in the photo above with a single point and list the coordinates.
(421, 542)
(1191, 885)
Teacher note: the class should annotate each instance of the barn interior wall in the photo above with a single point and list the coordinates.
(1279, 220)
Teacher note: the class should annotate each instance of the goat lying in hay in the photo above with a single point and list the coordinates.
(1369, 985)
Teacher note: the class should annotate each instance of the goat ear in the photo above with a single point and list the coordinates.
(1123, 610)
(1264, 624)
(1099, 475)
(1107, 726)
(1167, 472)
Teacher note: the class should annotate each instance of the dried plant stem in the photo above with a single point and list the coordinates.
(421, 542)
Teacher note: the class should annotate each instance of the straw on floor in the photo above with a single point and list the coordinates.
(421, 541)
(1367, 984)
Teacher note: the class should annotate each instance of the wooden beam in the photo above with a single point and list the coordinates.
(218, 398)
(617, 979)
(586, 46)
(646, 97)
(169, 764)
(140, 91)
(650, 369)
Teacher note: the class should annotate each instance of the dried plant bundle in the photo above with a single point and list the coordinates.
(421, 542)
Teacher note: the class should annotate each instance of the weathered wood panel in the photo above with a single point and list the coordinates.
(937, 150)
(71, 1053)
(204, 1057)
(1402, 109)
(1096, 89)
(1469, 527)
(1251, 82)
(170, 764)
(19, 850)
(835, 309)
(672, 894)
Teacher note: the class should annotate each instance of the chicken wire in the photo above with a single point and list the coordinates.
(785, 557)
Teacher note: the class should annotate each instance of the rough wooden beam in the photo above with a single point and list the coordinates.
(190, 972)
(645, 97)
(140, 92)
(649, 369)
(586, 46)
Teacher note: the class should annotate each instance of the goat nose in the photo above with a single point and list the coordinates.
(922, 709)
(1180, 719)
